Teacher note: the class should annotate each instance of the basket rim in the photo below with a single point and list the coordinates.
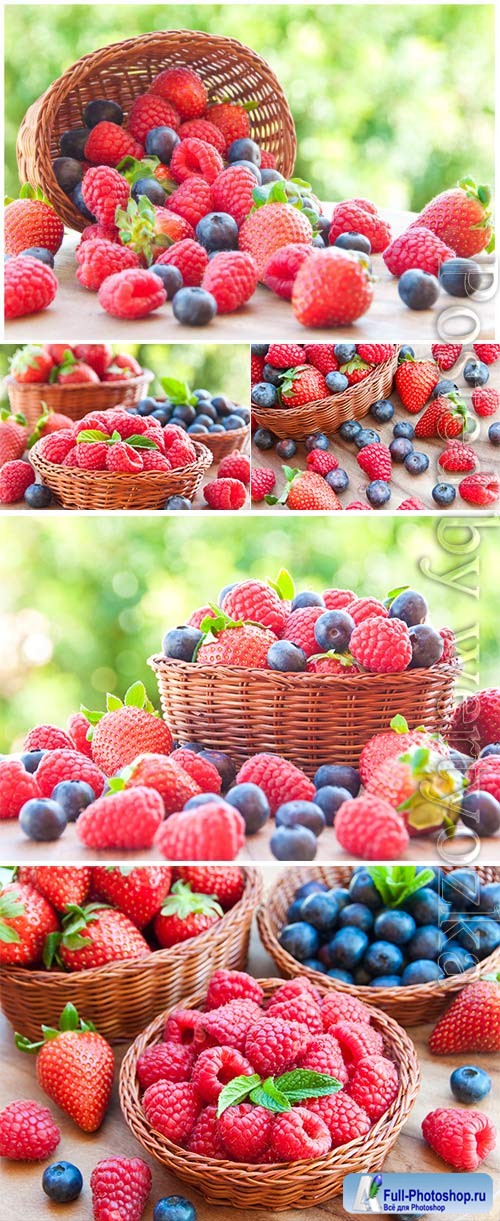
(437, 987)
(158, 958)
(402, 1102)
(297, 413)
(9, 380)
(158, 661)
(118, 478)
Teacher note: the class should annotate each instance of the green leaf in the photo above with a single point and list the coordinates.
(176, 390)
(303, 1083)
(399, 724)
(113, 703)
(50, 949)
(8, 935)
(269, 1096)
(139, 441)
(91, 434)
(24, 1044)
(135, 696)
(394, 593)
(93, 716)
(395, 883)
(283, 585)
(236, 1091)
(69, 1018)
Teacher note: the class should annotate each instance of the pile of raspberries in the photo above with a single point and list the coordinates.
(115, 441)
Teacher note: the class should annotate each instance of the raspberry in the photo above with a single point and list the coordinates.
(29, 286)
(324, 1056)
(356, 1042)
(235, 466)
(99, 259)
(205, 1138)
(343, 1117)
(108, 144)
(382, 646)
(374, 1085)
(230, 1024)
(285, 355)
(485, 400)
(201, 129)
(195, 157)
(258, 602)
(190, 258)
(132, 293)
(225, 494)
(232, 192)
(91, 455)
(375, 460)
(267, 160)
(16, 787)
(484, 774)
(246, 1131)
(148, 111)
(279, 779)
(410, 505)
(370, 828)
(375, 353)
(192, 200)
(228, 986)
(487, 352)
(152, 460)
(213, 832)
(261, 483)
(201, 771)
(215, 1068)
(172, 1108)
(299, 628)
(274, 1044)
(418, 248)
(449, 653)
(184, 89)
(231, 277)
(365, 608)
(302, 1008)
(15, 477)
(62, 764)
(165, 1060)
(339, 1007)
(270, 228)
(321, 462)
(351, 216)
(28, 1133)
(281, 270)
(360, 507)
(123, 458)
(446, 354)
(90, 233)
(104, 190)
(299, 1135)
(126, 820)
(197, 617)
(232, 120)
(71, 458)
(184, 1026)
(322, 356)
(337, 599)
(463, 1139)
(55, 447)
(476, 721)
(46, 737)
(458, 457)
(256, 368)
(480, 488)
(120, 1187)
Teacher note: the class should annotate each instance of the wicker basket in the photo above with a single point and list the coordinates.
(75, 401)
(223, 443)
(326, 415)
(411, 1005)
(275, 1187)
(307, 718)
(124, 70)
(79, 489)
(123, 997)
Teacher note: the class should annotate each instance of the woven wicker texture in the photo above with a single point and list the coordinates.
(125, 69)
(308, 718)
(75, 401)
(276, 1187)
(223, 443)
(326, 415)
(123, 997)
(411, 1005)
(79, 489)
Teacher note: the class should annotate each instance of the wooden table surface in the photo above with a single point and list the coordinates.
(21, 1191)
(402, 483)
(77, 312)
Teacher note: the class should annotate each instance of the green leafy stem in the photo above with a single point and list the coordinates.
(277, 1093)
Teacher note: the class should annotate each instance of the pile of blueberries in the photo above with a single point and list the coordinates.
(443, 928)
(204, 413)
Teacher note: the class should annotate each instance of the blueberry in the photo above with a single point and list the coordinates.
(180, 642)
(476, 373)
(378, 493)
(347, 947)
(175, 503)
(480, 935)
(344, 352)
(217, 231)
(493, 748)
(62, 1182)
(72, 143)
(481, 812)
(469, 1083)
(494, 434)
(427, 907)
(184, 411)
(314, 964)
(269, 175)
(460, 762)
(259, 349)
(252, 804)
(421, 972)
(31, 759)
(310, 888)
(329, 799)
(395, 925)
(382, 410)
(337, 973)
(363, 890)
(404, 351)
(362, 978)
(160, 142)
(225, 766)
(460, 277)
(73, 796)
(317, 440)
(264, 394)
(293, 844)
(366, 436)
(353, 241)
(427, 942)
(342, 896)
(444, 386)
(151, 188)
(333, 630)
(416, 463)
(418, 290)
(403, 428)
(286, 657)
(272, 375)
(301, 814)
(244, 413)
(383, 958)
(356, 915)
(194, 306)
(146, 406)
(489, 900)
(244, 150)
(286, 449)
(161, 414)
(321, 911)
(349, 429)
(102, 110)
(340, 775)
(338, 480)
(42, 819)
(307, 598)
(294, 912)
(41, 253)
(301, 940)
(233, 422)
(386, 981)
(336, 382)
(461, 888)
(174, 1208)
(454, 960)
(80, 204)
(201, 799)
(400, 448)
(217, 428)
(38, 496)
(68, 172)
(410, 606)
(204, 420)
(426, 646)
(444, 494)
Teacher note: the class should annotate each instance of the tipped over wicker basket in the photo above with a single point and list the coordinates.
(80, 489)
(413, 1004)
(122, 997)
(286, 1185)
(75, 401)
(307, 718)
(326, 415)
(125, 69)
(223, 443)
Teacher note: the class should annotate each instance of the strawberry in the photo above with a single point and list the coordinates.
(306, 490)
(461, 217)
(92, 936)
(138, 892)
(31, 221)
(13, 436)
(355, 370)
(120, 1188)
(445, 417)
(332, 288)
(122, 368)
(75, 1067)
(471, 1022)
(414, 381)
(446, 354)
(231, 119)
(269, 228)
(485, 400)
(31, 364)
(26, 919)
(237, 644)
(62, 885)
(300, 385)
(184, 915)
(262, 482)
(425, 788)
(128, 729)
(227, 885)
(147, 230)
(375, 460)
(458, 457)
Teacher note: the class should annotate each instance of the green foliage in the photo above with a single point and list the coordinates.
(390, 101)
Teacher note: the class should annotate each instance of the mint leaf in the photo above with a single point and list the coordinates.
(91, 434)
(269, 1096)
(236, 1091)
(176, 391)
(283, 585)
(303, 1083)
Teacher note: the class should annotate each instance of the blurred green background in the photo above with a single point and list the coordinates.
(390, 101)
(85, 600)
